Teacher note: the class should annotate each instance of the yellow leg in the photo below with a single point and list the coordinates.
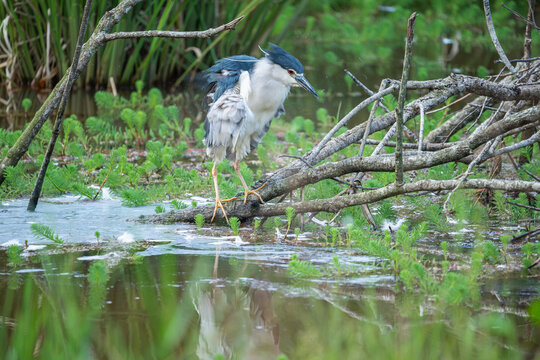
(219, 201)
(247, 191)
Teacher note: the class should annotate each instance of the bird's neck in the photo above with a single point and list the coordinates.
(267, 91)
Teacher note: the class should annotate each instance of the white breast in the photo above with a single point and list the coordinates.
(267, 92)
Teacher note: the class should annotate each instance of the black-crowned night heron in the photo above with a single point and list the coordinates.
(246, 94)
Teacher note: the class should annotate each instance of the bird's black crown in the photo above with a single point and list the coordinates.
(282, 58)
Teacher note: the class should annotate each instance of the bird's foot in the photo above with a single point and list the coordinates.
(219, 204)
(254, 192)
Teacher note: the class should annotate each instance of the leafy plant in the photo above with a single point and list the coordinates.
(97, 273)
(290, 216)
(159, 209)
(44, 232)
(26, 104)
(234, 222)
(492, 253)
(14, 254)
(199, 220)
(302, 269)
(178, 205)
(134, 197)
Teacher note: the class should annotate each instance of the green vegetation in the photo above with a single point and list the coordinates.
(165, 313)
(342, 30)
(199, 220)
(45, 233)
(28, 22)
(432, 269)
(234, 222)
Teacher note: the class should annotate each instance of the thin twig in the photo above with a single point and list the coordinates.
(524, 235)
(366, 89)
(527, 41)
(401, 99)
(528, 73)
(468, 172)
(520, 60)
(370, 119)
(495, 40)
(534, 208)
(103, 183)
(346, 119)
(170, 34)
(447, 106)
(519, 145)
(517, 166)
(529, 22)
(421, 132)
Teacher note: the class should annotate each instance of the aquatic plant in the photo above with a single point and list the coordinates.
(14, 255)
(256, 224)
(44, 232)
(234, 222)
(199, 220)
(26, 104)
(177, 204)
(134, 197)
(302, 269)
(290, 216)
(159, 209)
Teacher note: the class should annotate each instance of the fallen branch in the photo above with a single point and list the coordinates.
(254, 209)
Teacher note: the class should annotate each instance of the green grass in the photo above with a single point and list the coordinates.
(153, 60)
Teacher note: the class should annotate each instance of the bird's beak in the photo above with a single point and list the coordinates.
(301, 80)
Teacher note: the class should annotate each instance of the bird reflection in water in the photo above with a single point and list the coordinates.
(235, 321)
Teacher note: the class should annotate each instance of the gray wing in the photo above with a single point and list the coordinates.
(257, 138)
(224, 124)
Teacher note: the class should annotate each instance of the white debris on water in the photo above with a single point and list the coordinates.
(237, 241)
(111, 255)
(10, 242)
(392, 225)
(126, 238)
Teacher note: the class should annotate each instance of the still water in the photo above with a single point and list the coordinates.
(175, 291)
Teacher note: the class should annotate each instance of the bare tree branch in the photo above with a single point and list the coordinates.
(254, 209)
(401, 99)
(169, 34)
(495, 40)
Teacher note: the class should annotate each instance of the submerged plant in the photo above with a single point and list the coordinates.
(14, 254)
(302, 269)
(97, 273)
(26, 104)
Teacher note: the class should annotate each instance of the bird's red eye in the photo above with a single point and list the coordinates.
(291, 72)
